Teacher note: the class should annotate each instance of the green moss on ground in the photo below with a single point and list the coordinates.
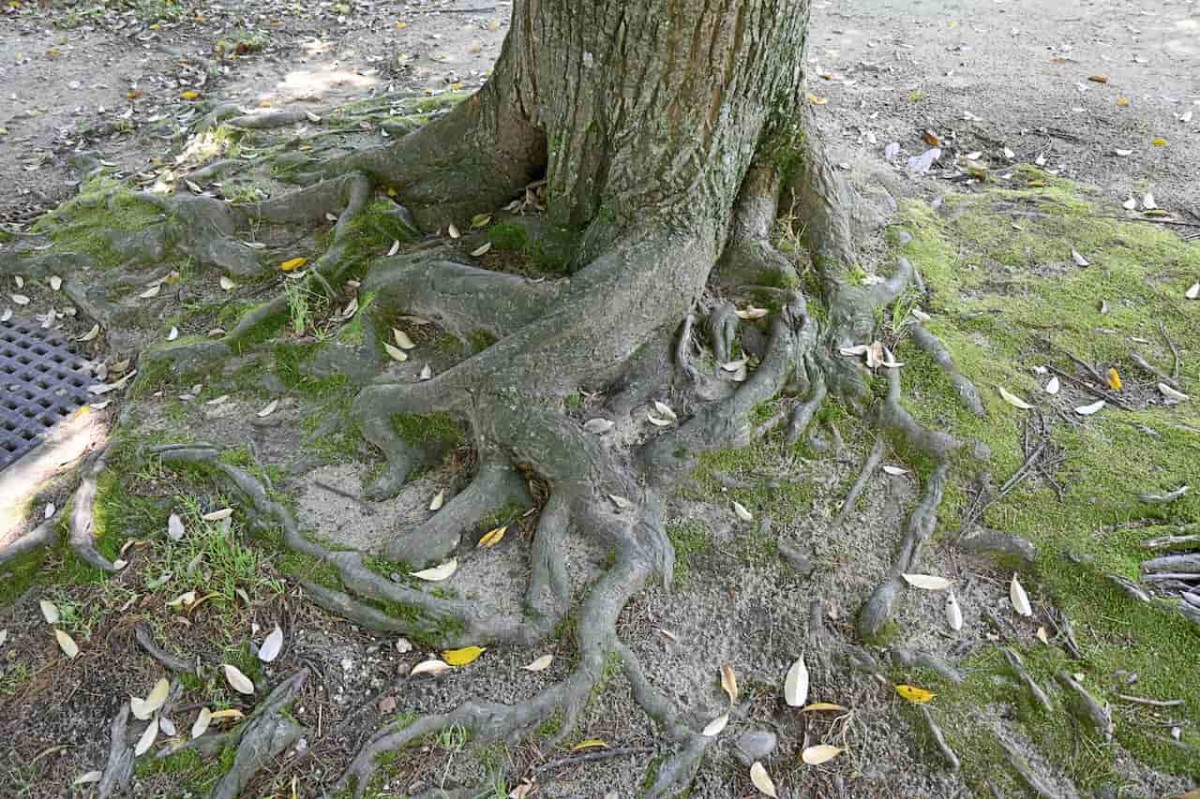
(1007, 297)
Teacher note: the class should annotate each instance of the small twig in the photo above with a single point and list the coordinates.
(345, 495)
(1139, 700)
(869, 466)
(591, 757)
(1178, 359)
(1145, 365)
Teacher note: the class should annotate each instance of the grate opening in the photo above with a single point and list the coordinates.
(42, 381)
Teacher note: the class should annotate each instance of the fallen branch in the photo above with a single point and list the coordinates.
(590, 757)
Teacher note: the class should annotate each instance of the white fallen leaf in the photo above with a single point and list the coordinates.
(821, 753)
(218, 515)
(49, 510)
(166, 725)
(1148, 202)
(741, 512)
(1052, 385)
(540, 664)
(143, 709)
(927, 582)
(3, 637)
(795, 684)
(954, 616)
(1088, 410)
(200, 725)
(920, 315)
(186, 599)
(237, 680)
(657, 422)
(91, 334)
(66, 643)
(395, 353)
(268, 409)
(432, 666)
(1172, 394)
(6, 315)
(395, 248)
(1193, 291)
(88, 778)
(55, 282)
(437, 573)
(895, 471)
(227, 283)
(1123, 153)
(620, 502)
(1018, 597)
(716, 726)
(762, 780)
(1013, 399)
(750, 313)
(734, 366)
(147, 740)
(1130, 204)
(855, 351)
(173, 333)
(453, 231)
(402, 339)
(151, 292)
(49, 611)
(272, 645)
(1079, 259)
(438, 500)
(1009, 154)
(175, 528)
(481, 249)
(426, 372)
(665, 410)
(598, 426)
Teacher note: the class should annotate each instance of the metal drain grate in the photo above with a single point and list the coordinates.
(42, 381)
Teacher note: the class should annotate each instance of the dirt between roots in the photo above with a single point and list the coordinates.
(981, 77)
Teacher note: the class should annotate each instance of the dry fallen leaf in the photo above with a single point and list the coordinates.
(895, 471)
(1172, 394)
(1193, 291)
(402, 339)
(438, 500)
(143, 709)
(432, 666)
(1013, 399)
(453, 231)
(268, 409)
(590, 743)
(741, 512)
(1088, 410)
(954, 616)
(272, 645)
(762, 780)
(151, 292)
(914, 694)
(716, 726)
(928, 582)
(147, 740)
(821, 753)
(395, 353)
(91, 334)
(1052, 386)
(540, 664)
(1114, 379)
(66, 643)
(49, 611)
(729, 682)
(481, 249)
(227, 283)
(1018, 597)
(598, 426)
(292, 264)
(203, 719)
(88, 778)
(492, 537)
(218, 515)
(1079, 259)
(463, 656)
(437, 574)
(237, 680)
(816, 707)
(795, 684)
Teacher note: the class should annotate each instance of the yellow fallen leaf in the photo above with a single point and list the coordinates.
(189, 95)
(814, 99)
(1123, 102)
(1114, 379)
(1159, 141)
(292, 263)
(228, 713)
(729, 682)
(821, 753)
(67, 644)
(816, 706)
(914, 694)
(589, 743)
(492, 537)
(1098, 78)
(461, 657)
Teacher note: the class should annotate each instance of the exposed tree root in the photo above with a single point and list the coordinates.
(119, 769)
(262, 738)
